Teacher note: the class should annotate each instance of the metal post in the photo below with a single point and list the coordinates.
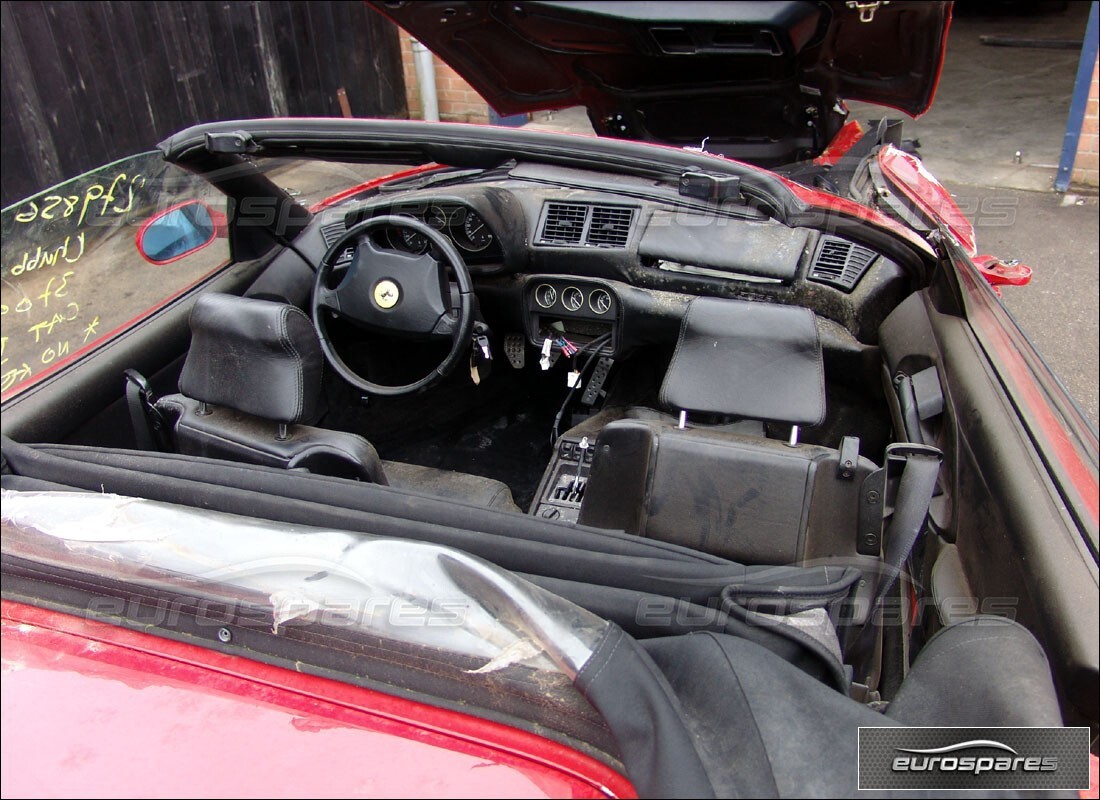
(1078, 104)
(425, 77)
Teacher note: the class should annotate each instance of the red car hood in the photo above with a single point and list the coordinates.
(761, 80)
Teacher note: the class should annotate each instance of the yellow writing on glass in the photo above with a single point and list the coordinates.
(54, 265)
(24, 306)
(68, 251)
(54, 352)
(46, 326)
(59, 289)
(91, 329)
(13, 376)
(107, 199)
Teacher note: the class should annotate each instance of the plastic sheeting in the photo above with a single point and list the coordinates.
(400, 590)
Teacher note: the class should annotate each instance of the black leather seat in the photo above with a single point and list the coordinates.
(797, 737)
(754, 361)
(250, 391)
(718, 489)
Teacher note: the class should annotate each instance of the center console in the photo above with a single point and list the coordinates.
(563, 484)
(577, 310)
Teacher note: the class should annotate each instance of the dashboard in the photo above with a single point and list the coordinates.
(555, 253)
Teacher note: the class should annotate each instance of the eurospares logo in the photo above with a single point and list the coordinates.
(953, 758)
(973, 758)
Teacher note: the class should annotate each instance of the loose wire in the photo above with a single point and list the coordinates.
(593, 350)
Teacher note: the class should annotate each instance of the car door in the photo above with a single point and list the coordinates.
(98, 274)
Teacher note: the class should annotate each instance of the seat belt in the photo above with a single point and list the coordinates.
(914, 470)
(150, 428)
(919, 468)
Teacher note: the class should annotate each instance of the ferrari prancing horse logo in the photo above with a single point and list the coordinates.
(386, 294)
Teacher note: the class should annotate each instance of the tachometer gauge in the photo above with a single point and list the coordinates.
(476, 233)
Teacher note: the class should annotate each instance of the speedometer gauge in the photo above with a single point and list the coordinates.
(476, 235)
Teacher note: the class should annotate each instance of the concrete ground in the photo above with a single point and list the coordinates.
(1057, 236)
(992, 103)
(995, 102)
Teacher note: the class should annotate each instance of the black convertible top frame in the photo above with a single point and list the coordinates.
(219, 152)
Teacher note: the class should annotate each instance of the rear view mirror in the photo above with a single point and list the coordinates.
(176, 232)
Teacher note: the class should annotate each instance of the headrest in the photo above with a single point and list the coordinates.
(255, 356)
(750, 360)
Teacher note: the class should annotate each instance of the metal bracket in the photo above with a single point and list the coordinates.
(1003, 273)
(238, 142)
(871, 500)
(710, 187)
(880, 493)
(866, 9)
(849, 456)
(898, 456)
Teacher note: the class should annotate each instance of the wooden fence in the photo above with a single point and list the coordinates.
(85, 83)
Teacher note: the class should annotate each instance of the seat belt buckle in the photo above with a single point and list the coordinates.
(150, 426)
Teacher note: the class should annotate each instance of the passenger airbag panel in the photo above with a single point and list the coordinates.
(757, 249)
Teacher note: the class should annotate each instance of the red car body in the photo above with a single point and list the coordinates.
(91, 708)
(77, 692)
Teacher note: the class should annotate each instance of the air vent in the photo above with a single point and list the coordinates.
(610, 226)
(839, 263)
(590, 226)
(332, 231)
(564, 223)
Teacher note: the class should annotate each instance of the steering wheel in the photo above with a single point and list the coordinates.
(404, 294)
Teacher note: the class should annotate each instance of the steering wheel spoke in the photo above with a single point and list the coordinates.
(327, 299)
(403, 294)
(445, 326)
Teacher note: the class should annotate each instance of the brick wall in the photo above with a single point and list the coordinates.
(458, 102)
(1086, 169)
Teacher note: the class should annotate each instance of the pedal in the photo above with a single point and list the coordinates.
(595, 383)
(515, 350)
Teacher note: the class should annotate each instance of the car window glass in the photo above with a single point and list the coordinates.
(73, 277)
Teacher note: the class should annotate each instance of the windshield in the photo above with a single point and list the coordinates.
(311, 181)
